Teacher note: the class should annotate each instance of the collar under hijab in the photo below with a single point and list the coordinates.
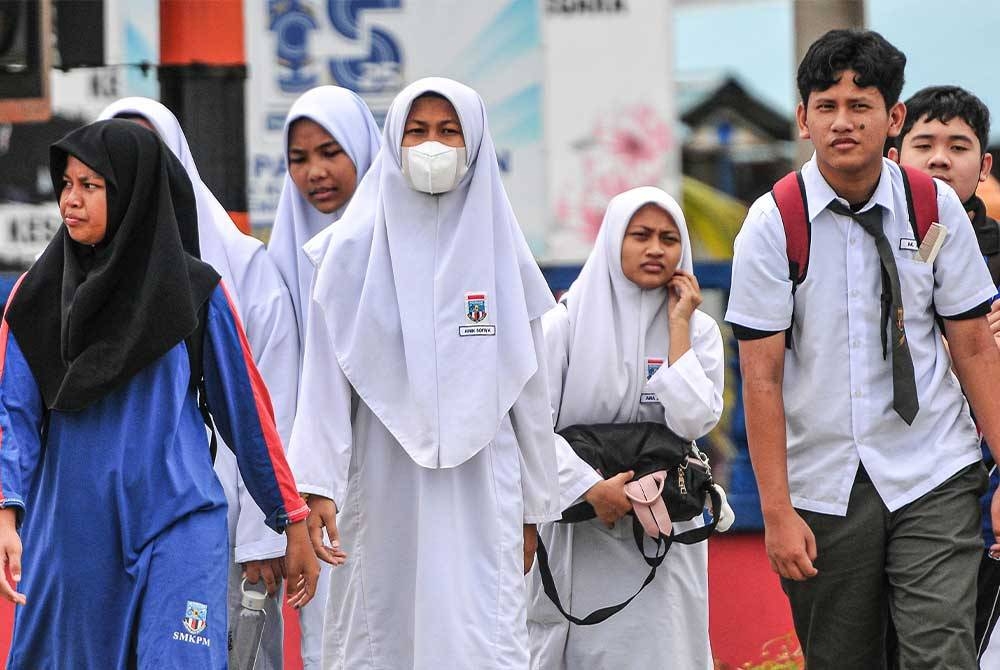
(221, 243)
(612, 320)
(344, 115)
(89, 320)
(429, 298)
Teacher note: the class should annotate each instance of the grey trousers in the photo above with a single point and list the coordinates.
(917, 565)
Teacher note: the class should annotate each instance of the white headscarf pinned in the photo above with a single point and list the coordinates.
(610, 318)
(349, 121)
(222, 244)
(394, 286)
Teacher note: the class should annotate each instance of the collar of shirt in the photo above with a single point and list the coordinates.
(819, 193)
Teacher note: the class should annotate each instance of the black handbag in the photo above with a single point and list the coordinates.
(644, 448)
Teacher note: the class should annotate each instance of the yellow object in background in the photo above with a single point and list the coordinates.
(713, 219)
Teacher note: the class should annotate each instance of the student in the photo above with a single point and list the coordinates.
(945, 135)
(265, 309)
(632, 310)
(330, 141)
(106, 465)
(423, 434)
(866, 458)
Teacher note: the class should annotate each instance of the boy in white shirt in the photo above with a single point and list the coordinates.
(866, 458)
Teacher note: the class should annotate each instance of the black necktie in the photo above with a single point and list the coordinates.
(904, 385)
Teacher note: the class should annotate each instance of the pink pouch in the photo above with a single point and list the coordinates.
(646, 494)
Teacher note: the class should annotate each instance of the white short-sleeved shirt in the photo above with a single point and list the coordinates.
(837, 386)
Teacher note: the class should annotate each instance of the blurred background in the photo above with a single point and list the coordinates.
(586, 98)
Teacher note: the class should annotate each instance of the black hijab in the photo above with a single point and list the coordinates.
(89, 318)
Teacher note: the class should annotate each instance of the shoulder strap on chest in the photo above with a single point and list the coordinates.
(789, 194)
(921, 200)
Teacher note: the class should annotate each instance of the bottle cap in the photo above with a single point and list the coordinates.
(252, 598)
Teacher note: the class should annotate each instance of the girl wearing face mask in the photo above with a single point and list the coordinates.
(423, 435)
(265, 310)
(627, 344)
(106, 472)
(330, 140)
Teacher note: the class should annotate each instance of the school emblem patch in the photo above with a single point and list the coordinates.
(652, 365)
(475, 306)
(195, 617)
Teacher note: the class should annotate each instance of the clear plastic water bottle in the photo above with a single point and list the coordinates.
(246, 631)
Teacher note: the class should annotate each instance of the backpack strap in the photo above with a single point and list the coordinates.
(789, 195)
(195, 344)
(921, 200)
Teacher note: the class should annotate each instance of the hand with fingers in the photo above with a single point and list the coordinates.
(323, 515)
(301, 567)
(10, 550)
(271, 570)
(684, 296)
(791, 545)
(608, 498)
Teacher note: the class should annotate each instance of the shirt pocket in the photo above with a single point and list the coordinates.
(916, 281)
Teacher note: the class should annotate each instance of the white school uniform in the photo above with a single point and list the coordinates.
(266, 312)
(607, 359)
(837, 386)
(436, 447)
(344, 115)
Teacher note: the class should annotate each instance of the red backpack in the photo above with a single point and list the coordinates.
(790, 195)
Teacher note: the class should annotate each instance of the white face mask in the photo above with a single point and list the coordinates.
(433, 167)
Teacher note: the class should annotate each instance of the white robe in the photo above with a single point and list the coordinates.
(433, 577)
(593, 566)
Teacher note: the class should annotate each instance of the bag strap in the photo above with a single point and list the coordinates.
(654, 561)
(195, 344)
(921, 200)
(789, 195)
(598, 615)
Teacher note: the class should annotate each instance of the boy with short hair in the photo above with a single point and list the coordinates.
(945, 135)
(866, 459)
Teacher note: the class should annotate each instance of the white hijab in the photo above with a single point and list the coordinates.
(393, 283)
(611, 319)
(349, 121)
(222, 244)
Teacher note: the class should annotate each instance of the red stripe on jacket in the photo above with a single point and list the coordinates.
(4, 334)
(295, 507)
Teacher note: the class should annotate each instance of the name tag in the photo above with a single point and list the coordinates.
(647, 398)
(908, 244)
(477, 331)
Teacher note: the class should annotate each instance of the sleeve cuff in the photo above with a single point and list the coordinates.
(260, 550)
(743, 333)
(982, 309)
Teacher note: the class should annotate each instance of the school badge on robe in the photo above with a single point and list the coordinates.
(652, 365)
(476, 312)
(475, 306)
(195, 617)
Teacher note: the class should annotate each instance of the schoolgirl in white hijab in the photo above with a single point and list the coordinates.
(265, 309)
(627, 345)
(424, 414)
(305, 211)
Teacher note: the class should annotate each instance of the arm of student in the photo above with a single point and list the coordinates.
(532, 423)
(21, 416)
(274, 340)
(241, 407)
(976, 361)
(322, 437)
(791, 546)
(690, 388)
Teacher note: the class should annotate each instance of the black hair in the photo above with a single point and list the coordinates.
(875, 61)
(944, 103)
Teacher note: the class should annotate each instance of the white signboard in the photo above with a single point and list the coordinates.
(25, 230)
(609, 112)
(376, 47)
